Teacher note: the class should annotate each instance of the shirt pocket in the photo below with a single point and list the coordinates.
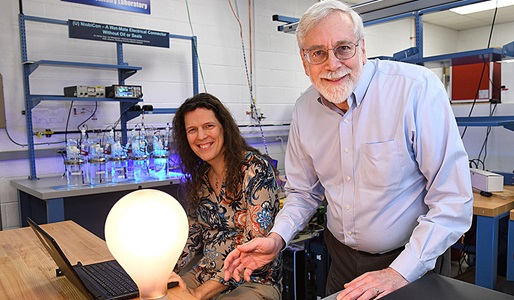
(380, 164)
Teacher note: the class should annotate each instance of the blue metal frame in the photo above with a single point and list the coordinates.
(487, 250)
(55, 210)
(508, 50)
(489, 121)
(26, 92)
(505, 121)
(124, 72)
(510, 251)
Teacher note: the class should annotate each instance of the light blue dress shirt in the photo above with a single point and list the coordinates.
(393, 168)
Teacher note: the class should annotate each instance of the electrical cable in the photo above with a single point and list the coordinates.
(483, 69)
(195, 49)
(89, 118)
(68, 121)
(26, 145)
(253, 106)
(486, 139)
(491, 111)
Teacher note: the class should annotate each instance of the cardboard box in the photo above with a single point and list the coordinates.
(486, 181)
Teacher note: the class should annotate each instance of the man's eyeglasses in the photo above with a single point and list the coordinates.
(341, 51)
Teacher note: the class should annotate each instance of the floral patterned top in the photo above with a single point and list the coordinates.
(221, 223)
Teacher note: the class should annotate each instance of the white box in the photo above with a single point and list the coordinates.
(486, 181)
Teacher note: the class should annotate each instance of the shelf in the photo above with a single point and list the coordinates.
(33, 65)
(505, 121)
(459, 58)
(36, 99)
(125, 70)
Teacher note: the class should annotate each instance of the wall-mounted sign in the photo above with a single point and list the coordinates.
(137, 6)
(114, 33)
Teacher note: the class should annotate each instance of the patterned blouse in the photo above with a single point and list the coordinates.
(222, 223)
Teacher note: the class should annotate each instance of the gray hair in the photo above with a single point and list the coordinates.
(317, 12)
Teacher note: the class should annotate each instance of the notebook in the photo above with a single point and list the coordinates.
(104, 280)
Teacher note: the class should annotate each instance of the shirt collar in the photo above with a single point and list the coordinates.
(364, 82)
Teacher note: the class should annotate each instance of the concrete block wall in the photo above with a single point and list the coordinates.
(277, 74)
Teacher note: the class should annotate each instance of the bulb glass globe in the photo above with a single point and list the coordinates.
(146, 231)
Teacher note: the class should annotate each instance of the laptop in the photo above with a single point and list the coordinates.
(104, 280)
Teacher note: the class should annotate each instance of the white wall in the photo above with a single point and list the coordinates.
(278, 77)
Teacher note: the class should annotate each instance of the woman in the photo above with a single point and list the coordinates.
(233, 198)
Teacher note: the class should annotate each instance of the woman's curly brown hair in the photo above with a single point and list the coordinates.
(193, 166)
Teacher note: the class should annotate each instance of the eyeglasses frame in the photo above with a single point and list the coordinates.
(306, 53)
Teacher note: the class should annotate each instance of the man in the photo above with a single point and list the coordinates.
(379, 140)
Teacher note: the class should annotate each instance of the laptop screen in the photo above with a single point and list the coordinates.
(58, 256)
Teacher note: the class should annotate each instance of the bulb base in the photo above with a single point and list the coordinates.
(165, 297)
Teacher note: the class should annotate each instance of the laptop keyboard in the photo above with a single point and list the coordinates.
(111, 276)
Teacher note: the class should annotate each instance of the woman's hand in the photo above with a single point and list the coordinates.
(175, 277)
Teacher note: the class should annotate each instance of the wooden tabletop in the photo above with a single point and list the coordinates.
(28, 272)
(498, 203)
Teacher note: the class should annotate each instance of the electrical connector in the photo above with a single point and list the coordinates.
(48, 133)
(256, 113)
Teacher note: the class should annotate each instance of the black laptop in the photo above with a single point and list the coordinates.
(104, 280)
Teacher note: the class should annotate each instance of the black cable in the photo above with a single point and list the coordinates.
(491, 112)
(486, 139)
(68, 122)
(483, 69)
(26, 145)
(89, 118)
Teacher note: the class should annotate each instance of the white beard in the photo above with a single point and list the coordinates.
(337, 94)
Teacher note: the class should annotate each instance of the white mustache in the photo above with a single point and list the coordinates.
(336, 74)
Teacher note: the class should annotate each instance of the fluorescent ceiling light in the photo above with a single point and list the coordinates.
(481, 6)
(365, 3)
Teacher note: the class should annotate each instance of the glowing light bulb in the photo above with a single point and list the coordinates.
(146, 231)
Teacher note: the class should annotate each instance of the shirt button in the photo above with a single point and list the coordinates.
(345, 120)
(350, 233)
(346, 150)
(347, 207)
(348, 178)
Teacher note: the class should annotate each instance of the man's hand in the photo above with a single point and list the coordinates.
(251, 256)
(373, 285)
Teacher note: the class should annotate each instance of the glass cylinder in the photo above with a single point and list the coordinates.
(97, 170)
(140, 168)
(159, 160)
(117, 163)
(138, 164)
(118, 169)
(160, 167)
(75, 173)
